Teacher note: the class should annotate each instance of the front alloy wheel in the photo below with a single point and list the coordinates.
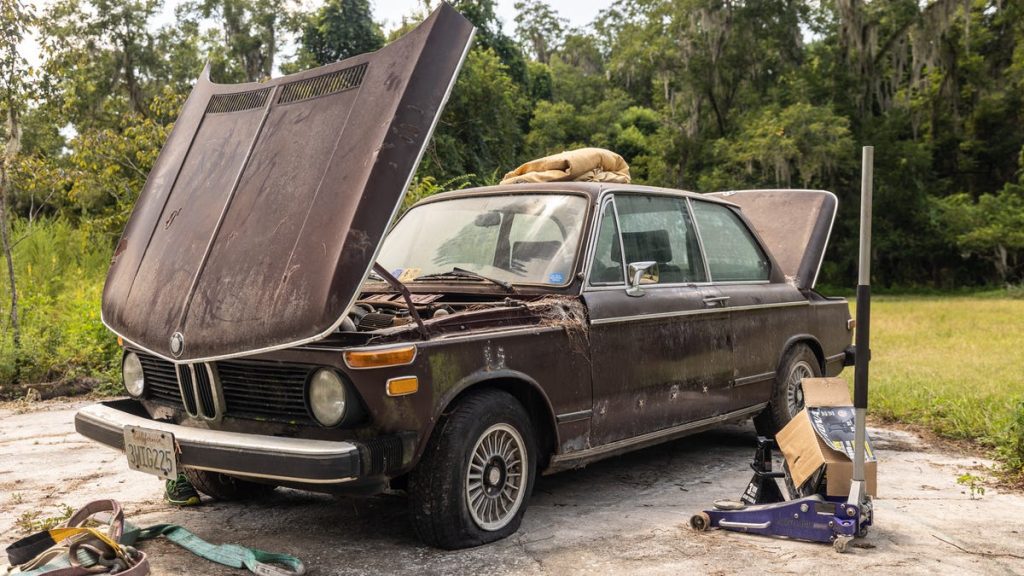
(494, 477)
(472, 484)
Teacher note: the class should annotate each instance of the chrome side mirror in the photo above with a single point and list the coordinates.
(641, 273)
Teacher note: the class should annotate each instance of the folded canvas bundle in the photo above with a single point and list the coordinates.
(583, 165)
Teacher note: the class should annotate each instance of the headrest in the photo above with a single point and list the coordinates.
(534, 250)
(643, 246)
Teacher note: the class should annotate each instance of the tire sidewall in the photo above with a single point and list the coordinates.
(437, 486)
(516, 417)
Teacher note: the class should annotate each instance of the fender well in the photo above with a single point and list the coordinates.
(811, 343)
(523, 388)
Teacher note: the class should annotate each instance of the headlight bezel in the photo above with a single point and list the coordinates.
(325, 415)
(131, 360)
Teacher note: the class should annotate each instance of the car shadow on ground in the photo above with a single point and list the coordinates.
(343, 534)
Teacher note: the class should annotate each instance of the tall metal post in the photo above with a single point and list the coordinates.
(858, 493)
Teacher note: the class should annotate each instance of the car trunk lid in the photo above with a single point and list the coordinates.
(795, 226)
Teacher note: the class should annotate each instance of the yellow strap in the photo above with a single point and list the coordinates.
(61, 534)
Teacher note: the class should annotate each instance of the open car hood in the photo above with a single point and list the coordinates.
(265, 210)
(795, 226)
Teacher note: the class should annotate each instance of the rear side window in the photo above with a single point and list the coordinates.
(658, 228)
(732, 252)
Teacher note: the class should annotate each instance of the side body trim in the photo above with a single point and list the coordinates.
(574, 416)
(660, 315)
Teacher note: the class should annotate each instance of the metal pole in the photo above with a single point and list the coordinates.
(860, 376)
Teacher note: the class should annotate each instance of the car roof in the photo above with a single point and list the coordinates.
(590, 189)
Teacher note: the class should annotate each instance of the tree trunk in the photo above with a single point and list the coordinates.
(10, 152)
(1002, 267)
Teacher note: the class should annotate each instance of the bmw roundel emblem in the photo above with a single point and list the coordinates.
(177, 344)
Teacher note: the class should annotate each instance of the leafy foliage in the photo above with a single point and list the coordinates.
(991, 227)
(468, 142)
(60, 269)
(339, 29)
(801, 144)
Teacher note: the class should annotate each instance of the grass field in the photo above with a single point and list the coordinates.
(953, 364)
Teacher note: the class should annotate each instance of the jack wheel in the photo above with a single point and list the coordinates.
(700, 521)
(842, 544)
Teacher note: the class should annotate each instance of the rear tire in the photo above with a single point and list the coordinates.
(787, 399)
(223, 487)
(474, 479)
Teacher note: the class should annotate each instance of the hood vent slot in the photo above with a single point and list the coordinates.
(323, 85)
(222, 103)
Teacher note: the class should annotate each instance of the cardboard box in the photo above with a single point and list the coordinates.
(820, 438)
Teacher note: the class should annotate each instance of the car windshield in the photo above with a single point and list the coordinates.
(519, 239)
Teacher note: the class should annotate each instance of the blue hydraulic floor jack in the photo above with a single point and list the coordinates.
(816, 518)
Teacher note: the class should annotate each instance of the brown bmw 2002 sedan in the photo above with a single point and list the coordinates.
(281, 329)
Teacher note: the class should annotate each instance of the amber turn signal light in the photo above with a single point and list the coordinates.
(120, 342)
(403, 385)
(380, 358)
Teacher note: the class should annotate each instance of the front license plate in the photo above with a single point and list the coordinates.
(151, 451)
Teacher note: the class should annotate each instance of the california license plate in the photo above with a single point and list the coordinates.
(151, 451)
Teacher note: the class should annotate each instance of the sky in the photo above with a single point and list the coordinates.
(388, 12)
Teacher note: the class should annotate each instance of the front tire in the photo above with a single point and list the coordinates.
(473, 482)
(787, 399)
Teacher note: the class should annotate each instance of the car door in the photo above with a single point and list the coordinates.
(761, 312)
(662, 356)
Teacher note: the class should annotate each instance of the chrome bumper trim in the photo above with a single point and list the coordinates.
(272, 457)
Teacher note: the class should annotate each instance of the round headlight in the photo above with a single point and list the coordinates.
(327, 397)
(131, 372)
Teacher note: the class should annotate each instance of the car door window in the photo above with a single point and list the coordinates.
(732, 251)
(658, 229)
(607, 267)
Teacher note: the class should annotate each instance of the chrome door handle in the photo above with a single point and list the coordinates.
(716, 299)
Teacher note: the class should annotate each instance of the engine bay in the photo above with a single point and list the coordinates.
(380, 311)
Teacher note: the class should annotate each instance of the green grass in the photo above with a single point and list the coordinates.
(60, 271)
(952, 364)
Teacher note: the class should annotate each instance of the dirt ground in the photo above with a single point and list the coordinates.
(627, 515)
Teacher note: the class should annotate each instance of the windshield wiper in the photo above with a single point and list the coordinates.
(386, 276)
(457, 272)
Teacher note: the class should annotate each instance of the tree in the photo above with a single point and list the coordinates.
(16, 20)
(338, 30)
(250, 32)
(480, 130)
(801, 143)
(101, 58)
(991, 227)
(539, 28)
(489, 34)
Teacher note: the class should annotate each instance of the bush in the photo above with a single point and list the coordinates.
(1011, 447)
(60, 272)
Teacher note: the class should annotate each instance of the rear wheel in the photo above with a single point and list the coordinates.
(223, 487)
(787, 399)
(472, 484)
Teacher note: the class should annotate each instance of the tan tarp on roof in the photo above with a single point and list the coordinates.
(583, 165)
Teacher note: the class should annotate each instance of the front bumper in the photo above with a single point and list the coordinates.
(290, 460)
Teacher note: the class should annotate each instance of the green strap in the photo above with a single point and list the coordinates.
(258, 562)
